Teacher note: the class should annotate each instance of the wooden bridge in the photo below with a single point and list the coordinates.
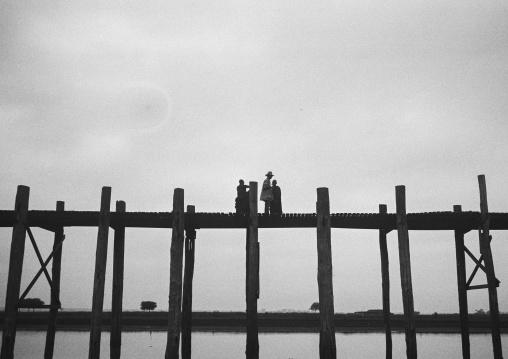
(465, 221)
(184, 225)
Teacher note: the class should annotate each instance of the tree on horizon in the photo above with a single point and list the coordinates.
(148, 305)
(314, 306)
(30, 303)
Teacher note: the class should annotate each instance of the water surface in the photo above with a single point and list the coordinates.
(136, 345)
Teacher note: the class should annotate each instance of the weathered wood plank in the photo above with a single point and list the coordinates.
(252, 275)
(190, 240)
(464, 221)
(489, 267)
(462, 289)
(327, 346)
(115, 343)
(15, 271)
(385, 284)
(56, 270)
(405, 272)
(101, 256)
(175, 281)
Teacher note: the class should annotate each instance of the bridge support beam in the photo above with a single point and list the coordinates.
(101, 256)
(175, 276)
(489, 266)
(115, 343)
(462, 288)
(15, 270)
(327, 346)
(56, 270)
(190, 239)
(405, 272)
(385, 276)
(252, 275)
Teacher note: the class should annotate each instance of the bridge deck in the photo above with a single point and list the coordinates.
(416, 221)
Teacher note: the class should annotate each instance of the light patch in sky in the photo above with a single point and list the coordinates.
(143, 107)
(101, 148)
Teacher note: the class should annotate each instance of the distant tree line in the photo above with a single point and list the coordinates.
(30, 303)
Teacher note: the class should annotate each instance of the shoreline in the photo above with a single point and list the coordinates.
(268, 322)
(273, 330)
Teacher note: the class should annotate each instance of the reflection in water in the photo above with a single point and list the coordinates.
(272, 345)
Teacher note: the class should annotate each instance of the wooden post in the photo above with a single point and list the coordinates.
(101, 256)
(385, 275)
(55, 277)
(489, 266)
(462, 288)
(190, 237)
(15, 270)
(252, 350)
(405, 272)
(175, 280)
(115, 343)
(327, 346)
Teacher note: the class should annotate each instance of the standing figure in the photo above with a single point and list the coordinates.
(266, 192)
(276, 203)
(242, 198)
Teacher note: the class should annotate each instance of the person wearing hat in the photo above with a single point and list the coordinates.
(266, 192)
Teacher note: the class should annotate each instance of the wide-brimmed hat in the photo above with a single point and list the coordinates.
(269, 173)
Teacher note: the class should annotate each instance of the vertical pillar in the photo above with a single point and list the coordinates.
(190, 237)
(385, 276)
(462, 288)
(405, 272)
(252, 350)
(15, 270)
(489, 266)
(175, 276)
(101, 255)
(327, 346)
(55, 277)
(115, 344)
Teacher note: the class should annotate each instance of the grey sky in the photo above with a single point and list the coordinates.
(355, 96)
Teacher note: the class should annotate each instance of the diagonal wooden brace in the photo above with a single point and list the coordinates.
(478, 265)
(473, 273)
(43, 267)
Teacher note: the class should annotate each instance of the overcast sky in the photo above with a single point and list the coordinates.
(356, 96)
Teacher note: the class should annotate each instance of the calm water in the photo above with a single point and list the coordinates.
(137, 345)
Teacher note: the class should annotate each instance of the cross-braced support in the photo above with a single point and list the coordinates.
(478, 265)
(54, 296)
(55, 300)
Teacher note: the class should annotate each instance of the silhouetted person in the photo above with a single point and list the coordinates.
(242, 198)
(266, 192)
(276, 207)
